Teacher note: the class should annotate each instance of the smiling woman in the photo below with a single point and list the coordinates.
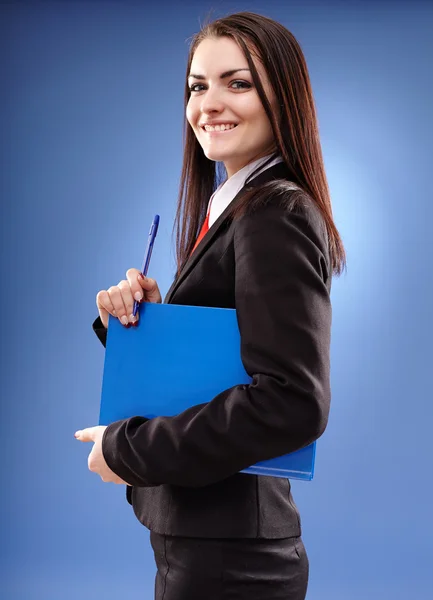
(262, 241)
(224, 109)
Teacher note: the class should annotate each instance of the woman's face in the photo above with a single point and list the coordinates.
(224, 108)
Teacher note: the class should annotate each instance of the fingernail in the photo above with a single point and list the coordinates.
(135, 323)
(138, 296)
(114, 312)
(140, 276)
(77, 434)
(131, 319)
(124, 320)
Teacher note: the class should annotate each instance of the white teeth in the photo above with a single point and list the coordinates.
(219, 127)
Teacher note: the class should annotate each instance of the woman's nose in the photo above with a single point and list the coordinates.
(211, 101)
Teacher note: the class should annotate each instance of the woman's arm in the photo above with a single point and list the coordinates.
(284, 316)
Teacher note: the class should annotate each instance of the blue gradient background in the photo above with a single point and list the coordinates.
(91, 149)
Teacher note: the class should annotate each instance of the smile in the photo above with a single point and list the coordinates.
(218, 128)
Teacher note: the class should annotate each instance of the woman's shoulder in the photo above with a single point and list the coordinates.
(281, 213)
(282, 197)
(282, 193)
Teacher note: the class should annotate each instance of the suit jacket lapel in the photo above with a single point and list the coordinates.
(278, 171)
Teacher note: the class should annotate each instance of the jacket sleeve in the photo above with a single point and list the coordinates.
(100, 331)
(284, 315)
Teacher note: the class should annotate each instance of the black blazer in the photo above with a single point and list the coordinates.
(271, 264)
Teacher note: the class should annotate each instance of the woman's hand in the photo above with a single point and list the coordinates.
(96, 460)
(118, 300)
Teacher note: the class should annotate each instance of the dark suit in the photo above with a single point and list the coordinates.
(271, 264)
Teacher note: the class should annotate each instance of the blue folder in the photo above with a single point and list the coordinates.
(177, 357)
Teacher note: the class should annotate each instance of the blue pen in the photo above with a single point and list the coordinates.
(148, 254)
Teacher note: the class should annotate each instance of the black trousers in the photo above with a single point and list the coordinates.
(229, 569)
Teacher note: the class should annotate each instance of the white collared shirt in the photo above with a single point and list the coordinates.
(227, 191)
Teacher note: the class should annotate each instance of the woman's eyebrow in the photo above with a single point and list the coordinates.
(222, 76)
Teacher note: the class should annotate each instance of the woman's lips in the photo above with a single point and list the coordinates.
(216, 133)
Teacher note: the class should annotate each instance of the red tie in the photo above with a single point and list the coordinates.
(203, 231)
(205, 226)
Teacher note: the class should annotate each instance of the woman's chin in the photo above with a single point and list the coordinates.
(223, 157)
(216, 156)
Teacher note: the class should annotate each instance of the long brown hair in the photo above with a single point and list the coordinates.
(295, 128)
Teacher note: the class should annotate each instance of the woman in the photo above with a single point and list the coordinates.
(264, 243)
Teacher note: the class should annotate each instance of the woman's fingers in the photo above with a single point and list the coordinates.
(103, 301)
(119, 299)
(144, 288)
(120, 296)
(150, 289)
(118, 305)
(105, 306)
(136, 291)
(116, 301)
(128, 301)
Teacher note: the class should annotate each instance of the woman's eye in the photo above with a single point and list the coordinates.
(236, 85)
(240, 85)
(194, 86)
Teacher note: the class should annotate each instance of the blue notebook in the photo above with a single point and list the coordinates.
(166, 364)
